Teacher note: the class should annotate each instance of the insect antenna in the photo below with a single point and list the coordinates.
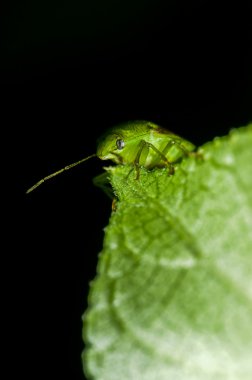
(58, 172)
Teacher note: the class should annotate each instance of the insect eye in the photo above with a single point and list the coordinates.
(120, 144)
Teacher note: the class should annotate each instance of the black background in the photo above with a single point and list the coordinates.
(69, 71)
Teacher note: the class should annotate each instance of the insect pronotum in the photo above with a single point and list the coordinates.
(137, 143)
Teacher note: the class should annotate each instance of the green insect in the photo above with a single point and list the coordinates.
(137, 143)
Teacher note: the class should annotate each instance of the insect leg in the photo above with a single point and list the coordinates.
(163, 157)
(178, 144)
(143, 144)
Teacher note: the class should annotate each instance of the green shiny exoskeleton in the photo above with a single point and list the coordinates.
(137, 143)
(142, 143)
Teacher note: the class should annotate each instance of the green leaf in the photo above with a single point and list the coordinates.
(173, 295)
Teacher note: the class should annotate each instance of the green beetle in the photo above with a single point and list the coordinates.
(137, 143)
